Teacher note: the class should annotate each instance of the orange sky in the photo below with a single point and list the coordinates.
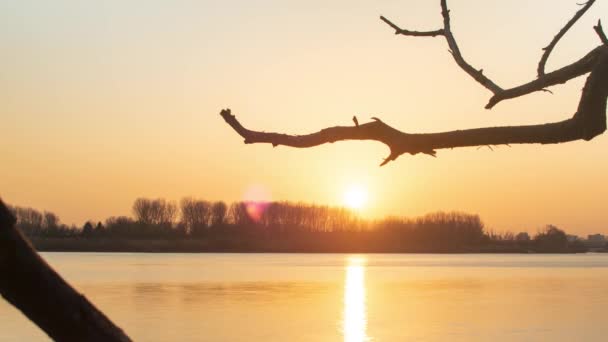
(103, 102)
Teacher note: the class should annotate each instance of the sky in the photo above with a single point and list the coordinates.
(102, 102)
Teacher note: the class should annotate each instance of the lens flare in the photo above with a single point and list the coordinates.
(256, 199)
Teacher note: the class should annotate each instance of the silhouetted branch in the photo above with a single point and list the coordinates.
(600, 32)
(454, 49)
(549, 48)
(576, 69)
(31, 285)
(405, 32)
(587, 122)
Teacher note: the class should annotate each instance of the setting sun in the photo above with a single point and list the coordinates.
(355, 197)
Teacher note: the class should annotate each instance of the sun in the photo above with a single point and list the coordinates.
(355, 197)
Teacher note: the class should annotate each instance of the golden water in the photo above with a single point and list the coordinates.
(337, 297)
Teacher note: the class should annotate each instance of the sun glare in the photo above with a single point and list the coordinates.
(354, 325)
(355, 197)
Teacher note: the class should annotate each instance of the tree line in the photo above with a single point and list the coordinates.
(288, 226)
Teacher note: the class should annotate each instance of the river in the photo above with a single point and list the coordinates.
(337, 297)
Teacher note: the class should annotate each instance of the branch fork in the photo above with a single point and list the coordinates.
(587, 122)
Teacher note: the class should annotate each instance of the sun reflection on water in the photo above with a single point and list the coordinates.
(354, 325)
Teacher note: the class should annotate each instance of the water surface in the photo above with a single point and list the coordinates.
(337, 297)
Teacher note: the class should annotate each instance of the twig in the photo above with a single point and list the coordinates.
(600, 32)
(405, 32)
(476, 74)
(549, 48)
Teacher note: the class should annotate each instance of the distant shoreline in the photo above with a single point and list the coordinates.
(258, 246)
(285, 227)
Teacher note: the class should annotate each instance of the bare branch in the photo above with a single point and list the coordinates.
(405, 32)
(600, 32)
(476, 74)
(559, 76)
(549, 48)
(588, 122)
(576, 69)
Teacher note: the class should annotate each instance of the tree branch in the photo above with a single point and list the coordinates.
(405, 32)
(476, 74)
(588, 122)
(31, 285)
(576, 69)
(562, 75)
(600, 32)
(549, 48)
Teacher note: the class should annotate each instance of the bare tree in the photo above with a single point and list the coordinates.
(154, 212)
(167, 211)
(195, 214)
(51, 220)
(588, 121)
(142, 208)
(218, 213)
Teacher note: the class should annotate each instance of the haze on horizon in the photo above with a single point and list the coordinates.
(104, 102)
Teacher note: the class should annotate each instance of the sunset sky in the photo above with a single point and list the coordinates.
(105, 101)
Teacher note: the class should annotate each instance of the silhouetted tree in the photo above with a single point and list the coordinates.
(218, 214)
(99, 229)
(237, 214)
(51, 221)
(196, 215)
(522, 237)
(87, 229)
(29, 220)
(154, 212)
(143, 210)
(551, 239)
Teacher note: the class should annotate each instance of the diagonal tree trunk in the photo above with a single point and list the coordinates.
(31, 285)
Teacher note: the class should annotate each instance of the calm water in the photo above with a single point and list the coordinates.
(336, 297)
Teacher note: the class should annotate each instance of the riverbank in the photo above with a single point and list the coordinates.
(271, 245)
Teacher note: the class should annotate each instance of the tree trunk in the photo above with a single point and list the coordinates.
(31, 285)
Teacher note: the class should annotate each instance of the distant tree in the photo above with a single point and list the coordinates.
(51, 221)
(143, 211)
(237, 214)
(29, 220)
(181, 230)
(99, 228)
(154, 212)
(522, 237)
(218, 214)
(122, 226)
(195, 215)
(167, 212)
(87, 229)
(551, 239)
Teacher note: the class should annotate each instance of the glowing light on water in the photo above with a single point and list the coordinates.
(354, 325)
